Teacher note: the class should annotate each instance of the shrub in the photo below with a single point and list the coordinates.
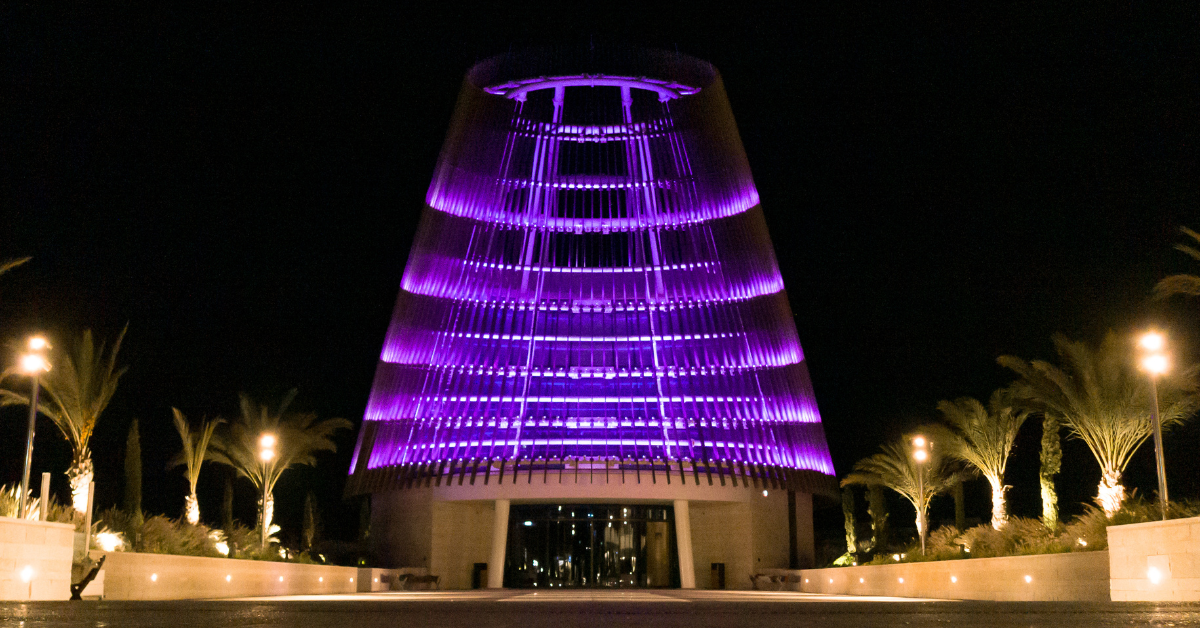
(1020, 537)
(1023, 536)
(160, 535)
(10, 505)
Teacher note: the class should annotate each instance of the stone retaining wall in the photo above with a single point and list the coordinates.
(35, 559)
(1157, 561)
(136, 576)
(1081, 576)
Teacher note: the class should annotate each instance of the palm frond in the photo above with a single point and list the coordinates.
(299, 437)
(1177, 284)
(195, 445)
(1102, 397)
(10, 264)
(1181, 284)
(983, 436)
(77, 389)
(895, 468)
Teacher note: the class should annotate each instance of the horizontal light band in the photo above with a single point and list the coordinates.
(607, 372)
(541, 338)
(592, 269)
(518, 90)
(616, 305)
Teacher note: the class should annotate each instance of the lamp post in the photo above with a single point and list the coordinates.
(266, 453)
(34, 364)
(921, 448)
(1155, 362)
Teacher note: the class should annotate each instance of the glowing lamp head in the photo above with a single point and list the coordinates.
(38, 343)
(1156, 364)
(26, 573)
(921, 455)
(266, 455)
(266, 440)
(32, 364)
(919, 441)
(1152, 341)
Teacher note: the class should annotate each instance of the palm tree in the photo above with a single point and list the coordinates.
(195, 452)
(77, 390)
(1105, 402)
(1182, 284)
(298, 437)
(983, 436)
(918, 482)
(1050, 459)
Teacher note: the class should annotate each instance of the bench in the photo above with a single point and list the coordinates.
(770, 582)
(414, 582)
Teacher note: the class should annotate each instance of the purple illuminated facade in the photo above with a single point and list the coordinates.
(592, 289)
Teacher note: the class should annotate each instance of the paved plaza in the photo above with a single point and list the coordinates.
(579, 608)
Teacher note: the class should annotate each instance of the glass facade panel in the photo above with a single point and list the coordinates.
(586, 545)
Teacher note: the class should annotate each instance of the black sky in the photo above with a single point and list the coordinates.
(241, 185)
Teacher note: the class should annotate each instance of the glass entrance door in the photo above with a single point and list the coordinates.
(591, 545)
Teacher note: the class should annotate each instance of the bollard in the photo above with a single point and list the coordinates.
(45, 509)
(87, 522)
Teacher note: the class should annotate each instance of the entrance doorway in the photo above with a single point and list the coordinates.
(591, 545)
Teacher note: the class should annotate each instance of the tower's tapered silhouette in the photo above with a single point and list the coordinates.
(591, 316)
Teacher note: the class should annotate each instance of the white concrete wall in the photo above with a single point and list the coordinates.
(1171, 548)
(805, 536)
(1079, 576)
(402, 528)
(45, 548)
(769, 532)
(137, 576)
(721, 533)
(464, 537)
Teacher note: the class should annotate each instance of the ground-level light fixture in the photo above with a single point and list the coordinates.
(1154, 575)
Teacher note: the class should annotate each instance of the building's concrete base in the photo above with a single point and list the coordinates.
(450, 529)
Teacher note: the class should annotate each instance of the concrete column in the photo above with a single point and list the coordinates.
(499, 544)
(683, 539)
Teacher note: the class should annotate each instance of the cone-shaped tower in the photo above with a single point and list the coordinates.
(591, 292)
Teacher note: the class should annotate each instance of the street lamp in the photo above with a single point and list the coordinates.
(266, 453)
(33, 364)
(1155, 362)
(921, 448)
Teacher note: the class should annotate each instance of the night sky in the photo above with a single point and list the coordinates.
(241, 186)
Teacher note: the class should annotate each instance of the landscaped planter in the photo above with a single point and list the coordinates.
(136, 576)
(1080, 576)
(35, 559)
(1156, 561)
